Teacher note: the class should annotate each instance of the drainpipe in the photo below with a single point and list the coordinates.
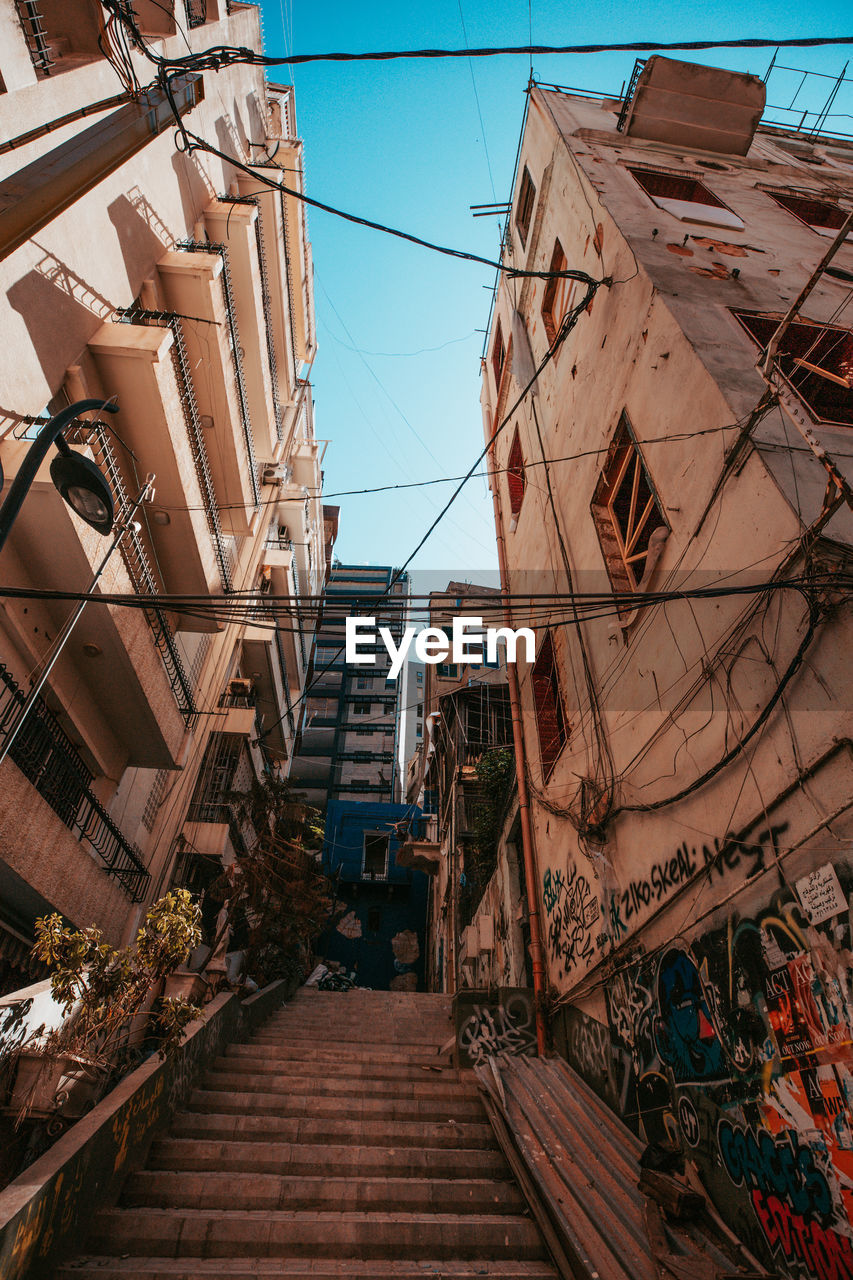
(531, 877)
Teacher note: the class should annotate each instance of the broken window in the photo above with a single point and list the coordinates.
(815, 359)
(559, 294)
(524, 209)
(515, 475)
(686, 198)
(548, 703)
(822, 216)
(626, 511)
(375, 863)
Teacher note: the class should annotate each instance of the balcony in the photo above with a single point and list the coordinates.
(270, 207)
(145, 362)
(422, 851)
(235, 222)
(49, 760)
(196, 282)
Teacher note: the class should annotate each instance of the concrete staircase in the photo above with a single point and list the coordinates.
(336, 1143)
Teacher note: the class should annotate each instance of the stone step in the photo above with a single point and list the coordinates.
(317, 1105)
(359, 1033)
(306, 1085)
(351, 1160)
(295, 1069)
(103, 1268)
(387, 1043)
(367, 1132)
(253, 1191)
(384, 1054)
(221, 1233)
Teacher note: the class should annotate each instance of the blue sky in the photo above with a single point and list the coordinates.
(413, 144)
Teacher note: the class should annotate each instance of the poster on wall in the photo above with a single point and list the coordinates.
(821, 895)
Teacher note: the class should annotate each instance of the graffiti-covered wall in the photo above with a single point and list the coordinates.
(731, 1034)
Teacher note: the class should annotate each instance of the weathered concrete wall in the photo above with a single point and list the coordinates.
(45, 1213)
(493, 1022)
(697, 994)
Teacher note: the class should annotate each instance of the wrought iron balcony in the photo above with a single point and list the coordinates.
(49, 760)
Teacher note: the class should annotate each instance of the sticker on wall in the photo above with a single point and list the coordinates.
(821, 895)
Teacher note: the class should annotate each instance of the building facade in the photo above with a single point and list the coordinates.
(181, 285)
(689, 760)
(349, 743)
(379, 918)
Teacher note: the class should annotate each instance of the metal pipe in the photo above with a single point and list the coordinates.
(531, 876)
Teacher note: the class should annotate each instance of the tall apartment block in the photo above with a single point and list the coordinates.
(688, 758)
(181, 286)
(349, 742)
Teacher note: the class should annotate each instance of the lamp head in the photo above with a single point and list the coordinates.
(84, 489)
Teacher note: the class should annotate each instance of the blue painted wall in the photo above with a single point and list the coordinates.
(395, 904)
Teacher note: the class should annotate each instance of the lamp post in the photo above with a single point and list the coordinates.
(77, 478)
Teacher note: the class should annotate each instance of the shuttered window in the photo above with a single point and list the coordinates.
(515, 475)
(524, 208)
(559, 294)
(548, 702)
(821, 215)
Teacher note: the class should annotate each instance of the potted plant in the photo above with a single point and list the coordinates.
(101, 990)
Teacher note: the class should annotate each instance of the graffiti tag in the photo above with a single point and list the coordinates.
(490, 1030)
(572, 909)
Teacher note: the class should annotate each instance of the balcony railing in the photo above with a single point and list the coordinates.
(32, 24)
(263, 270)
(198, 449)
(196, 12)
(49, 760)
(196, 246)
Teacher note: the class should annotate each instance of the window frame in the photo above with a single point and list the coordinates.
(555, 286)
(801, 391)
(726, 217)
(807, 197)
(377, 836)
(524, 206)
(624, 451)
(515, 476)
(545, 685)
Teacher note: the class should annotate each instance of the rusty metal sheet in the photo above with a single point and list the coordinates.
(585, 1166)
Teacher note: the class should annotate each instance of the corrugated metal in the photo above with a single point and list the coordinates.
(585, 1165)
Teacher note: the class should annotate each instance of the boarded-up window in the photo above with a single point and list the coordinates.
(815, 359)
(821, 215)
(686, 198)
(626, 511)
(524, 208)
(559, 294)
(548, 703)
(515, 475)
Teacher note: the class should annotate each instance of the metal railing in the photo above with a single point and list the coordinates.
(139, 568)
(266, 305)
(31, 21)
(196, 246)
(196, 12)
(278, 543)
(49, 760)
(186, 392)
(639, 63)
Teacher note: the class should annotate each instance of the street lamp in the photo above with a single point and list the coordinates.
(77, 478)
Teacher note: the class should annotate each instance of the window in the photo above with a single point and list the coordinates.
(419, 677)
(419, 730)
(498, 354)
(515, 475)
(822, 216)
(447, 671)
(420, 709)
(524, 209)
(686, 198)
(548, 704)
(361, 708)
(626, 511)
(375, 862)
(815, 359)
(559, 294)
(364, 682)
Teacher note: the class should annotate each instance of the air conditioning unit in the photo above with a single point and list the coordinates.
(485, 933)
(470, 943)
(240, 688)
(276, 473)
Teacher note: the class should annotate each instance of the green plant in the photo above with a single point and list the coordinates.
(495, 773)
(105, 987)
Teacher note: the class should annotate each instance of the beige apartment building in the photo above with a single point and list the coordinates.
(689, 760)
(181, 285)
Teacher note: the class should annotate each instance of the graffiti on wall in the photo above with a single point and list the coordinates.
(737, 1046)
(572, 910)
(486, 1027)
